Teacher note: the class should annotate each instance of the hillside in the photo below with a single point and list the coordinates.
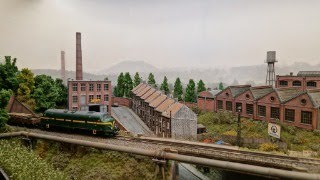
(129, 66)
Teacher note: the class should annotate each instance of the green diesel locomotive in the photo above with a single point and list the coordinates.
(97, 122)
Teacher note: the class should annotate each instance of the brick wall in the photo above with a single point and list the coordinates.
(120, 101)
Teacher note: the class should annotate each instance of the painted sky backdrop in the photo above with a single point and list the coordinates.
(164, 33)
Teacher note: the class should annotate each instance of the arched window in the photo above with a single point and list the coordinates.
(283, 83)
(311, 84)
(296, 83)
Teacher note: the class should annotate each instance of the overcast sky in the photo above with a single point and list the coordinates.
(164, 33)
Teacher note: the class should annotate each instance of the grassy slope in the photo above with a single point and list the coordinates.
(224, 123)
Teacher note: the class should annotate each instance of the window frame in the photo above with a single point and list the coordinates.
(262, 111)
(287, 116)
(303, 115)
(272, 113)
(249, 107)
(229, 106)
(91, 87)
(283, 83)
(314, 84)
(294, 83)
(220, 104)
(74, 87)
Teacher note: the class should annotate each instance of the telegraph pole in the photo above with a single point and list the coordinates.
(239, 127)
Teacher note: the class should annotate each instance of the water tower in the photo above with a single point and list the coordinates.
(271, 75)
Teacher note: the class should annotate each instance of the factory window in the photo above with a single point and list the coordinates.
(296, 83)
(229, 105)
(106, 86)
(306, 117)
(262, 111)
(90, 98)
(249, 108)
(283, 83)
(275, 113)
(91, 86)
(98, 87)
(106, 97)
(311, 84)
(75, 87)
(289, 115)
(99, 97)
(220, 104)
(83, 87)
(239, 106)
(75, 99)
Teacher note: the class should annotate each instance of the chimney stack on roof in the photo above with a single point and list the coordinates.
(78, 57)
(63, 67)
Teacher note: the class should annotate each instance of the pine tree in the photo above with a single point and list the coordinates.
(191, 92)
(221, 86)
(177, 92)
(151, 80)
(201, 86)
(128, 85)
(120, 85)
(26, 87)
(164, 86)
(136, 79)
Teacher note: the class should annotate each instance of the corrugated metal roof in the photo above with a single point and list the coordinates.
(309, 73)
(153, 96)
(174, 108)
(214, 92)
(163, 106)
(286, 94)
(148, 93)
(236, 90)
(260, 91)
(156, 102)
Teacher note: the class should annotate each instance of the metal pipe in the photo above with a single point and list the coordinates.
(232, 166)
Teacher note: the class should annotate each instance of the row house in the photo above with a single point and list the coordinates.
(162, 114)
(291, 106)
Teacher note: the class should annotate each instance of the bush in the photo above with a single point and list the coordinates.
(291, 130)
(316, 132)
(268, 147)
(299, 140)
(3, 119)
(230, 133)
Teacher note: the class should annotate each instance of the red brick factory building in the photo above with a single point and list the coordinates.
(294, 101)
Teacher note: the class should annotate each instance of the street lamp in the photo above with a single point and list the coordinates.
(239, 127)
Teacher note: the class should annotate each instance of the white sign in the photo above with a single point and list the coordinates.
(274, 130)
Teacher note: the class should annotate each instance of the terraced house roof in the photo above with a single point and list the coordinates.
(288, 93)
(163, 106)
(153, 96)
(135, 88)
(156, 102)
(172, 110)
(148, 93)
(143, 91)
(139, 89)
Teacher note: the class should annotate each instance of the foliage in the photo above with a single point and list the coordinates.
(136, 79)
(164, 85)
(177, 92)
(3, 119)
(221, 86)
(88, 163)
(230, 133)
(151, 80)
(8, 74)
(46, 93)
(201, 86)
(19, 163)
(26, 87)
(128, 85)
(62, 99)
(4, 98)
(268, 147)
(316, 132)
(191, 95)
(119, 91)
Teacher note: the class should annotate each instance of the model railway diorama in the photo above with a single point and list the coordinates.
(96, 122)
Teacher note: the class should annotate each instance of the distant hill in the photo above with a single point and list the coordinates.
(129, 66)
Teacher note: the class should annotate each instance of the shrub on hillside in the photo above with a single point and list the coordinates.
(230, 133)
(268, 147)
(299, 139)
(316, 132)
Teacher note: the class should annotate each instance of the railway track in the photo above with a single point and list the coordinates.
(232, 154)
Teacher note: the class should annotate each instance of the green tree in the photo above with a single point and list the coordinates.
(177, 92)
(4, 98)
(46, 93)
(128, 85)
(8, 74)
(136, 79)
(62, 99)
(201, 86)
(120, 85)
(191, 95)
(151, 80)
(164, 85)
(221, 86)
(26, 87)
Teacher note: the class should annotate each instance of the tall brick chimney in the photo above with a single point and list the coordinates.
(78, 57)
(63, 67)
